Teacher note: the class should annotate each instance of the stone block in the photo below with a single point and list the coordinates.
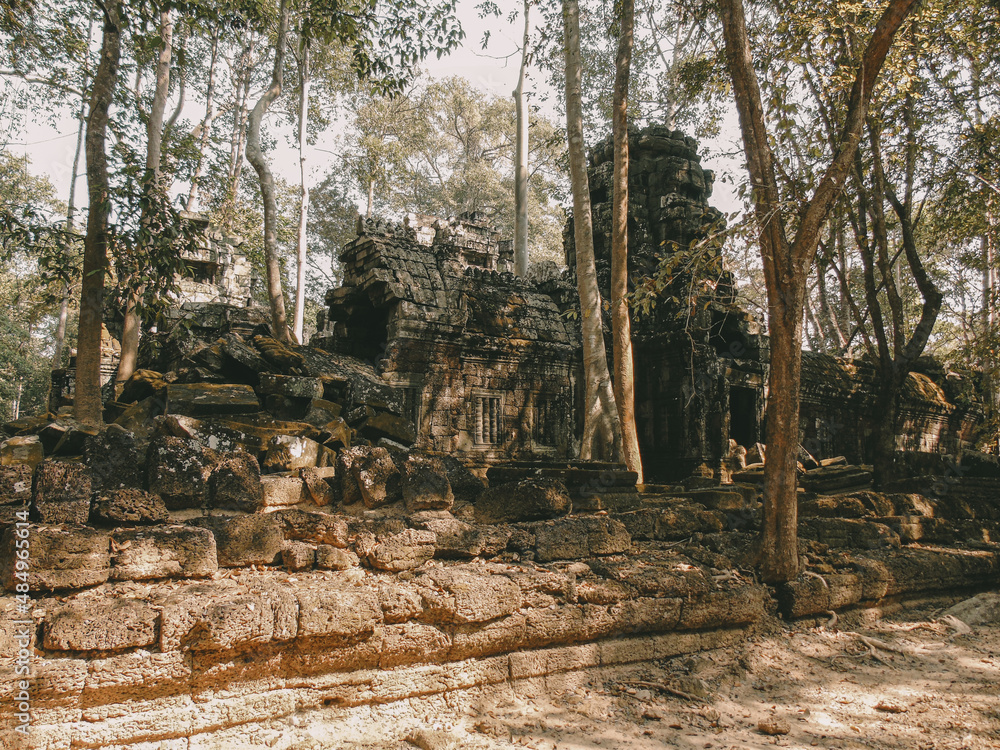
(386, 425)
(177, 469)
(281, 492)
(290, 453)
(115, 459)
(87, 625)
(849, 533)
(329, 557)
(213, 434)
(457, 539)
(235, 483)
(736, 606)
(128, 507)
(350, 492)
(246, 540)
(485, 639)
(15, 484)
(298, 556)
(212, 617)
(336, 434)
(378, 395)
(425, 484)
(833, 478)
(61, 493)
(292, 386)
(580, 538)
(142, 384)
(62, 439)
(163, 552)
(413, 643)
(26, 450)
(61, 558)
(315, 528)
(646, 615)
(465, 485)
(377, 477)
(571, 623)
(322, 412)
(332, 609)
(318, 485)
(406, 550)
(210, 399)
(527, 500)
(461, 594)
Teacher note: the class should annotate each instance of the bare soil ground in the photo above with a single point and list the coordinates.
(911, 681)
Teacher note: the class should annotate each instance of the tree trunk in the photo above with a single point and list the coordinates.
(601, 426)
(779, 537)
(237, 146)
(60, 338)
(883, 450)
(154, 147)
(255, 155)
(621, 325)
(302, 248)
(87, 405)
(787, 265)
(521, 156)
(205, 127)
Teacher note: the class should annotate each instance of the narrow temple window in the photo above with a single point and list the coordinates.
(411, 405)
(488, 419)
(546, 422)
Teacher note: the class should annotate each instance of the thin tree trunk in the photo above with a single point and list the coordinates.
(835, 336)
(205, 127)
(600, 421)
(60, 338)
(621, 325)
(302, 250)
(237, 145)
(87, 405)
(521, 155)
(255, 156)
(154, 146)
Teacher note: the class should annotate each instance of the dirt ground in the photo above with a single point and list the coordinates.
(911, 680)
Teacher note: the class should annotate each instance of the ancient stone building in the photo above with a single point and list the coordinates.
(940, 412)
(486, 359)
(700, 356)
(219, 271)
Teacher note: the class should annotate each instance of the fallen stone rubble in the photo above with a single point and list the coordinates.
(188, 588)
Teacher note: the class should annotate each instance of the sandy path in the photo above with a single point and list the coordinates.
(924, 686)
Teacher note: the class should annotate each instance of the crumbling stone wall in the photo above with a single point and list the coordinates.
(219, 271)
(838, 404)
(486, 361)
(217, 627)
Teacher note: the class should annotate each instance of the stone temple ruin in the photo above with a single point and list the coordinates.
(269, 544)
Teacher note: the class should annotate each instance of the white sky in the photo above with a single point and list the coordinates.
(51, 148)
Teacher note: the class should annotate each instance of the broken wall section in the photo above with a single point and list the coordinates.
(486, 360)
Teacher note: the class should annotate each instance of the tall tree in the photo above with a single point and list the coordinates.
(257, 159)
(302, 240)
(601, 423)
(87, 405)
(81, 116)
(621, 324)
(787, 262)
(153, 184)
(521, 153)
